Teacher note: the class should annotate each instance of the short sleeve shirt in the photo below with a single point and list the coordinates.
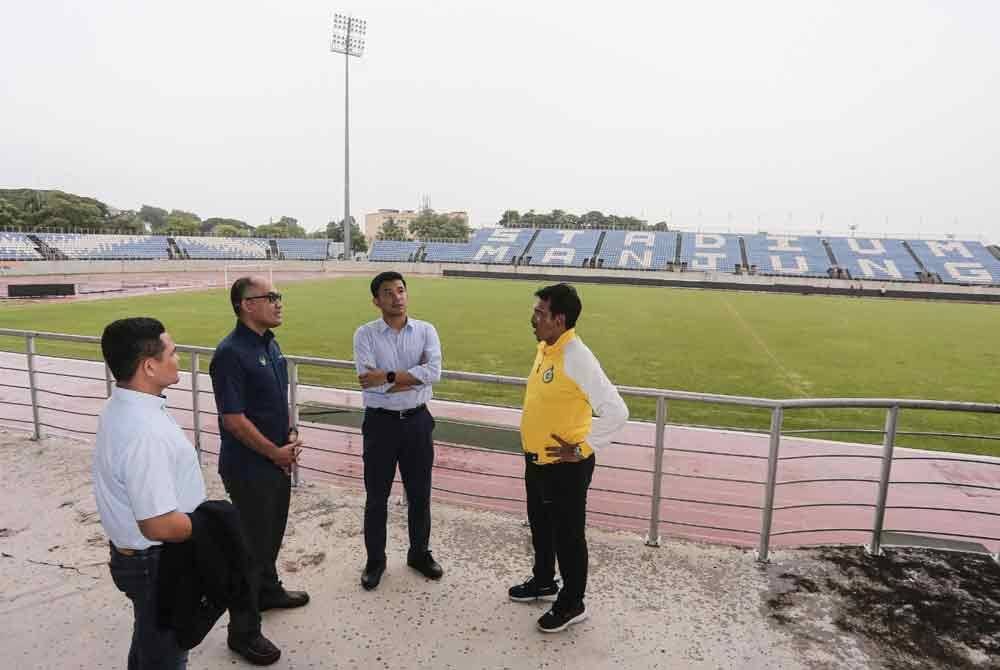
(143, 466)
(250, 377)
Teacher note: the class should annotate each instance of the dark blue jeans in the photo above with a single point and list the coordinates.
(152, 647)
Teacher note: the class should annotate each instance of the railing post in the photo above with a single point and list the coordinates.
(32, 384)
(293, 401)
(653, 538)
(109, 380)
(195, 402)
(777, 415)
(874, 548)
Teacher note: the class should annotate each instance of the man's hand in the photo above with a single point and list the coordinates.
(285, 455)
(564, 452)
(372, 377)
(399, 388)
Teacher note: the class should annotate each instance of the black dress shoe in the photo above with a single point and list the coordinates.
(372, 574)
(254, 647)
(426, 565)
(283, 600)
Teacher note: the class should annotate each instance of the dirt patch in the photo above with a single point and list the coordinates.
(911, 608)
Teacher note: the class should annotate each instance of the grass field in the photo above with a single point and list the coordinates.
(769, 345)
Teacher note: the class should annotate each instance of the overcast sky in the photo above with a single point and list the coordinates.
(790, 115)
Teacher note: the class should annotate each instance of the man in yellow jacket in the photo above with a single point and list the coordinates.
(566, 388)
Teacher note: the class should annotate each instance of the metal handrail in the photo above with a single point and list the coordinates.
(777, 409)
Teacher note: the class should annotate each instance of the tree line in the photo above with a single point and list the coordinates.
(592, 220)
(33, 210)
(429, 225)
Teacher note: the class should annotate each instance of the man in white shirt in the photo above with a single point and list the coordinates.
(146, 481)
(398, 359)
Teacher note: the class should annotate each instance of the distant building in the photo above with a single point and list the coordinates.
(375, 220)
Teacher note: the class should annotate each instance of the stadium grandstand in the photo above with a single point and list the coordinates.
(710, 252)
(18, 247)
(637, 250)
(956, 262)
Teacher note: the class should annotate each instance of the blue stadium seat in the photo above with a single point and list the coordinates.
(17, 247)
(499, 245)
(637, 250)
(447, 252)
(223, 248)
(393, 250)
(303, 250)
(108, 247)
(958, 262)
(563, 247)
(867, 258)
(710, 252)
(802, 256)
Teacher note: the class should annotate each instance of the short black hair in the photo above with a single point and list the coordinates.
(562, 299)
(127, 342)
(383, 277)
(238, 290)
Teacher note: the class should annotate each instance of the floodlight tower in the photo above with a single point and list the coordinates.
(348, 39)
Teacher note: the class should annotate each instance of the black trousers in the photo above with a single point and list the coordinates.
(390, 439)
(557, 512)
(262, 500)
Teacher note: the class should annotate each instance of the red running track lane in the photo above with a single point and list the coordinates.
(619, 498)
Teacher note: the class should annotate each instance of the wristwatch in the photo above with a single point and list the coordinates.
(578, 451)
(390, 376)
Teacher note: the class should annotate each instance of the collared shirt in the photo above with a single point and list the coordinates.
(143, 466)
(566, 387)
(415, 348)
(250, 377)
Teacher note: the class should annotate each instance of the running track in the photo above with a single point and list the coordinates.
(619, 498)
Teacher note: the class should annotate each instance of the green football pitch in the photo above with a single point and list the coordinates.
(767, 345)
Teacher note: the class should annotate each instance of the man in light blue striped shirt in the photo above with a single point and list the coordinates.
(398, 359)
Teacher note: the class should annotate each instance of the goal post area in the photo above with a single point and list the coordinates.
(231, 271)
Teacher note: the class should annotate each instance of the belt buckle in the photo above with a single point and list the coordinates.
(402, 414)
(124, 551)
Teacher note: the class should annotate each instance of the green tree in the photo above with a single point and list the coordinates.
(510, 219)
(226, 230)
(10, 216)
(126, 222)
(391, 230)
(432, 226)
(593, 219)
(335, 231)
(209, 224)
(286, 226)
(154, 216)
(179, 222)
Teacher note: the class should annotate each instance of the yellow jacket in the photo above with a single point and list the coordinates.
(566, 387)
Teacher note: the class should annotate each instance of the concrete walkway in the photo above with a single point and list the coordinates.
(683, 605)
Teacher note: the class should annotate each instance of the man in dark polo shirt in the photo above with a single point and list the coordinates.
(250, 381)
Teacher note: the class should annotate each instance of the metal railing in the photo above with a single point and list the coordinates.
(776, 407)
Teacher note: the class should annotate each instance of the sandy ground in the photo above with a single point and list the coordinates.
(682, 605)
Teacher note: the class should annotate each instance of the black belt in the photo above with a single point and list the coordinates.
(398, 413)
(135, 552)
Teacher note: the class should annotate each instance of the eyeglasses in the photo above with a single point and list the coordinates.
(271, 297)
